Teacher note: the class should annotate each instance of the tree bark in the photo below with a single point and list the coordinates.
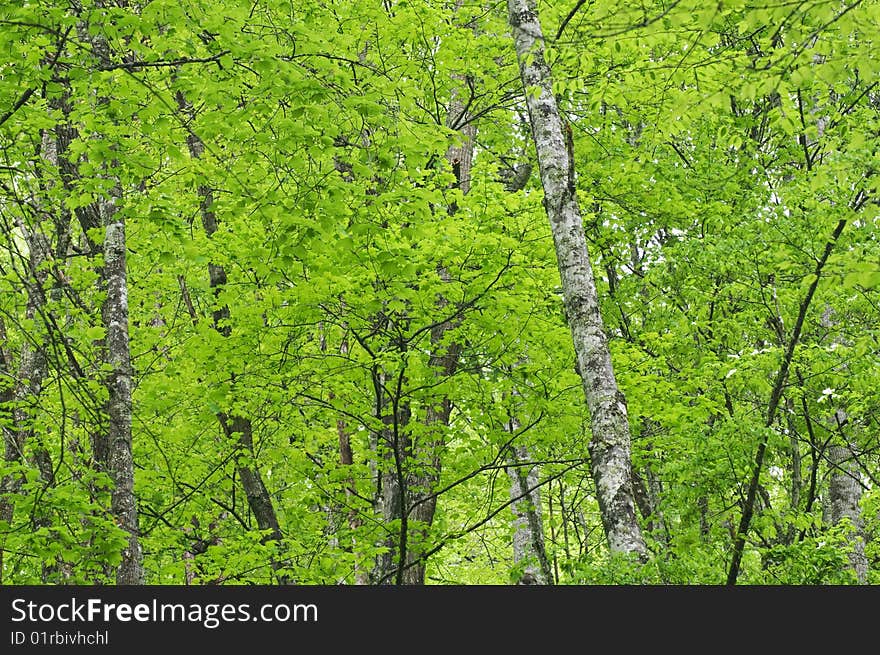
(531, 565)
(113, 445)
(395, 450)
(796, 471)
(610, 444)
(844, 487)
(33, 366)
(119, 459)
(24, 396)
(844, 495)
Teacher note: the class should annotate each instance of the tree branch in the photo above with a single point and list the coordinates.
(775, 396)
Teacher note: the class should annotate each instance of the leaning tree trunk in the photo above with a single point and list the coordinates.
(610, 444)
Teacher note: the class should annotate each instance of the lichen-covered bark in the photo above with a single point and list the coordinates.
(845, 493)
(844, 487)
(529, 554)
(610, 444)
(119, 462)
(112, 443)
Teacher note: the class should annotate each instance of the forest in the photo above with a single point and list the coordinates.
(440, 292)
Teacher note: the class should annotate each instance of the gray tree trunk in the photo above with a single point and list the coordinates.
(119, 461)
(25, 394)
(844, 495)
(113, 447)
(33, 367)
(844, 487)
(610, 444)
(531, 565)
(796, 468)
(647, 497)
(394, 449)
(413, 466)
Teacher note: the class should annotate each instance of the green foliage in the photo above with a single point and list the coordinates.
(813, 561)
(717, 146)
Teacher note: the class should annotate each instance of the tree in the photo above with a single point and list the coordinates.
(273, 309)
(610, 444)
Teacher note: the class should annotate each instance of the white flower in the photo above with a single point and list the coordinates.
(826, 394)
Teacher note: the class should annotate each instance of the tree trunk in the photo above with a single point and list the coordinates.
(119, 460)
(258, 498)
(25, 395)
(530, 562)
(610, 444)
(347, 509)
(844, 487)
(796, 471)
(113, 446)
(33, 367)
(844, 494)
(394, 450)
(772, 405)
(647, 498)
